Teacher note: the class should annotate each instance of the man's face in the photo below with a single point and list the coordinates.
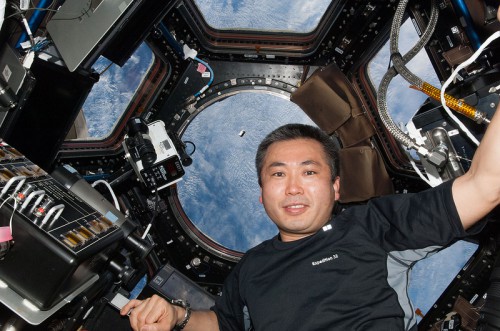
(297, 189)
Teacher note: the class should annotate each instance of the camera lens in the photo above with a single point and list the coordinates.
(137, 125)
(141, 141)
(146, 151)
(7, 96)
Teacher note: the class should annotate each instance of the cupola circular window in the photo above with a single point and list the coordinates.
(219, 192)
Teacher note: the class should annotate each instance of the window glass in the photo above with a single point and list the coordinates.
(219, 191)
(431, 276)
(291, 16)
(402, 103)
(111, 95)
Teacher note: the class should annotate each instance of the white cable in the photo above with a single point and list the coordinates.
(12, 217)
(147, 231)
(419, 173)
(27, 27)
(2, 12)
(417, 170)
(148, 227)
(3, 203)
(117, 206)
(13, 211)
(452, 76)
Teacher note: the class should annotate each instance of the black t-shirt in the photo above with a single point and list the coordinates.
(348, 275)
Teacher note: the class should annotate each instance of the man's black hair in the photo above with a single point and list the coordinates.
(298, 131)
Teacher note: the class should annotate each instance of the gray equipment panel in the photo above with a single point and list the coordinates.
(80, 27)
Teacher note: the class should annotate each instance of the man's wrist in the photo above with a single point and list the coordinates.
(187, 313)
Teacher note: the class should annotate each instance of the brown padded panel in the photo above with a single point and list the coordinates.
(362, 175)
(359, 125)
(324, 102)
(328, 98)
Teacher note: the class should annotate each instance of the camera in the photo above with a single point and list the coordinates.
(139, 142)
(152, 153)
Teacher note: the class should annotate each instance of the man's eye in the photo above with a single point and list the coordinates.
(278, 174)
(310, 172)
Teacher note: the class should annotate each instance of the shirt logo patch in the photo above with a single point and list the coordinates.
(327, 227)
(325, 259)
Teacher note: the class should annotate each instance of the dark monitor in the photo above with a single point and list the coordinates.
(136, 30)
(172, 284)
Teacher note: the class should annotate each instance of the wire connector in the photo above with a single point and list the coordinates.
(28, 59)
(24, 4)
(188, 52)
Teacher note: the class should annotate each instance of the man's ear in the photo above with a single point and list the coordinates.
(336, 188)
(260, 196)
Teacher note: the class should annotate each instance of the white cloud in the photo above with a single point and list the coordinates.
(292, 15)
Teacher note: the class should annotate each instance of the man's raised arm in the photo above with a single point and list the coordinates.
(477, 192)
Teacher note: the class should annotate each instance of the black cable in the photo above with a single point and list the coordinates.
(16, 8)
(192, 144)
(106, 69)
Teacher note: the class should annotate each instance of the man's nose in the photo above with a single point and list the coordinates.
(294, 185)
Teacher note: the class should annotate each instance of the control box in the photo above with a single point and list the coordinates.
(59, 242)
